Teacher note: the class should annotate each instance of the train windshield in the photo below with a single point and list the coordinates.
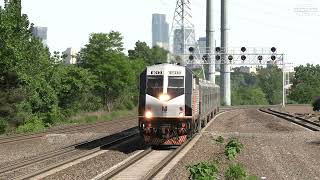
(175, 86)
(154, 85)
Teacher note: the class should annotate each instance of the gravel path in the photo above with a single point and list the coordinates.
(273, 148)
(10, 153)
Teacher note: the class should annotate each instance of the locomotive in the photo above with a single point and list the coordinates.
(174, 104)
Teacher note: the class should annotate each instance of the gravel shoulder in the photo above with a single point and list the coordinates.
(12, 152)
(273, 148)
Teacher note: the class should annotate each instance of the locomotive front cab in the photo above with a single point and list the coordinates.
(162, 112)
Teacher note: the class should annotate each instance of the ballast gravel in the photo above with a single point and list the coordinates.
(273, 148)
(22, 150)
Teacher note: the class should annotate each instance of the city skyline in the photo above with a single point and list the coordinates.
(263, 24)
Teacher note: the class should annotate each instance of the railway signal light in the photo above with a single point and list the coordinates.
(218, 49)
(191, 49)
(217, 57)
(243, 57)
(273, 49)
(260, 58)
(230, 57)
(273, 57)
(191, 57)
(205, 57)
(243, 49)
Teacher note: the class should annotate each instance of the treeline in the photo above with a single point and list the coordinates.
(262, 88)
(265, 87)
(37, 90)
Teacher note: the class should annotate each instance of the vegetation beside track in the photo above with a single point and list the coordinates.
(38, 90)
(211, 170)
(83, 118)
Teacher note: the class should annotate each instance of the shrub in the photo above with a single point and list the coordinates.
(238, 172)
(316, 104)
(3, 126)
(235, 172)
(203, 170)
(233, 148)
(33, 124)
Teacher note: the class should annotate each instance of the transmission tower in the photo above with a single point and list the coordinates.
(183, 31)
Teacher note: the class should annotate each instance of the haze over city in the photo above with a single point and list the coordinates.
(291, 26)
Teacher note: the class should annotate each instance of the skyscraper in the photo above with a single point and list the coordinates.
(160, 31)
(41, 33)
(70, 56)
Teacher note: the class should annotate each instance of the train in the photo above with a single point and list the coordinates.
(174, 104)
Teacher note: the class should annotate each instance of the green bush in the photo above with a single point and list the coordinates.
(3, 126)
(238, 172)
(233, 148)
(316, 104)
(203, 171)
(34, 124)
(235, 172)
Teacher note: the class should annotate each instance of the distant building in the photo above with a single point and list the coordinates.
(160, 31)
(246, 69)
(70, 56)
(41, 33)
(202, 42)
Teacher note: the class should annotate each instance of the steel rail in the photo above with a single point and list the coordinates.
(80, 156)
(296, 120)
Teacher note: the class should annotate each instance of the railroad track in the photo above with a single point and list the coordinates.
(70, 129)
(144, 165)
(73, 153)
(294, 119)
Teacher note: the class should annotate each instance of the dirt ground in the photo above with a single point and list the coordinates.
(273, 148)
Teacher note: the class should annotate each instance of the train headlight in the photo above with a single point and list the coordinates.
(181, 114)
(148, 114)
(164, 97)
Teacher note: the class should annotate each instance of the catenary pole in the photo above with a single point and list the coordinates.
(210, 43)
(225, 67)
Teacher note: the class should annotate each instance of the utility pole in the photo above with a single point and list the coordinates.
(210, 43)
(183, 30)
(225, 69)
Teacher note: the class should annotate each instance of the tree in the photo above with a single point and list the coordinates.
(24, 57)
(306, 83)
(151, 56)
(248, 96)
(104, 58)
(270, 81)
(74, 87)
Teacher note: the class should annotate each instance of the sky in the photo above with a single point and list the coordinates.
(292, 26)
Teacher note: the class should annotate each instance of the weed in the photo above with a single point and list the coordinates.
(203, 171)
(233, 148)
(236, 172)
(220, 140)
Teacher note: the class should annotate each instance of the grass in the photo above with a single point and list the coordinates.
(90, 118)
(36, 125)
